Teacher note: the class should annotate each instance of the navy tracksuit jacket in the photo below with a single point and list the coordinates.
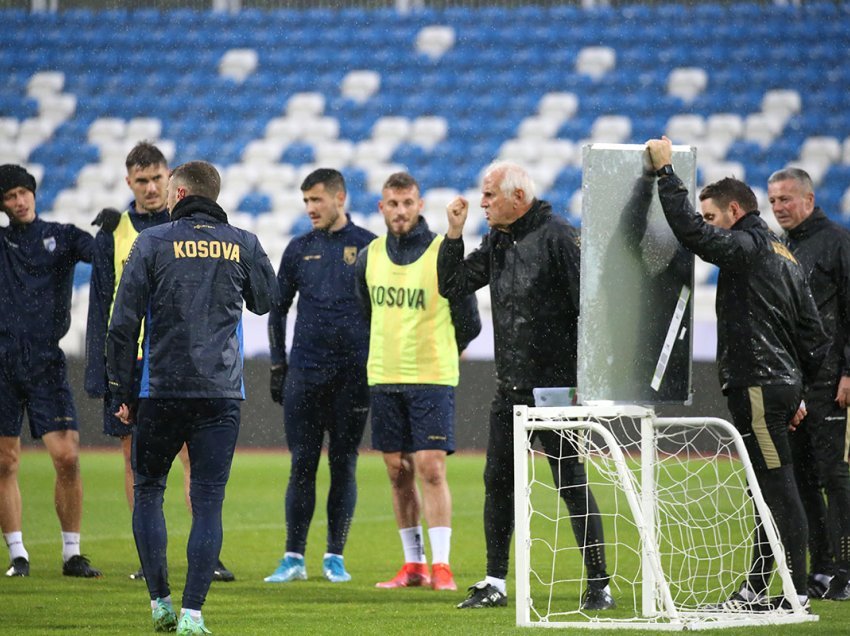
(188, 279)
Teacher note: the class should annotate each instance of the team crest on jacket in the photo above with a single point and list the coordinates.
(349, 254)
(50, 243)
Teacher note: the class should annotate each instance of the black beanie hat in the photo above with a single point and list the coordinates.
(15, 176)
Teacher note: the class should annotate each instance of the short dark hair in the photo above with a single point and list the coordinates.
(199, 178)
(796, 174)
(332, 180)
(145, 154)
(401, 181)
(729, 189)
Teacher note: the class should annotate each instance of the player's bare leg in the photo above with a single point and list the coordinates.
(406, 506)
(64, 449)
(431, 467)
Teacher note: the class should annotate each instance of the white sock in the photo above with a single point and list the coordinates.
(15, 542)
(70, 545)
(330, 554)
(414, 546)
(195, 614)
(166, 600)
(294, 555)
(441, 543)
(499, 584)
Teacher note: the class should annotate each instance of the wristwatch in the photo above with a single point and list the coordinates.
(664, 171)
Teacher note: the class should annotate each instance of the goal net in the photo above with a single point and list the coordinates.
(677, 498)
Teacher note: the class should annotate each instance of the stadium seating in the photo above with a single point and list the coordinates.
(269, 95)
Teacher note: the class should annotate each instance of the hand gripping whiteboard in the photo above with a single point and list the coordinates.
(636, 321)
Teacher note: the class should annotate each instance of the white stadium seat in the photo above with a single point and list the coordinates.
(686, 129)
(143, 128)
(613, 129)
(428, 131)
(595, 61)
(107, 129)
(782, 102)
(435, 40)
(538, 128)
(391, 129)
(728, 126)
(238, 64)
(559, 106)
(305, 104)
(687, 82)
(360, 85)
(45, 83)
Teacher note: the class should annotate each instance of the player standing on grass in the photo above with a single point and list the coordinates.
(147, 177)
(187, 279)
(416, 338)
(323, 387)
(530, 260)
(820, 444)
(769, 340)
(37, 260)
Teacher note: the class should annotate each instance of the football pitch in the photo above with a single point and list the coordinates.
(48, 603)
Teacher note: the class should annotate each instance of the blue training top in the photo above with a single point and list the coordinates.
(36, 281)
(330, 329)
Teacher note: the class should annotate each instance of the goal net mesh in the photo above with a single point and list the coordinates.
(677, 510)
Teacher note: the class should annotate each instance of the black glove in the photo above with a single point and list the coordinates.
(278, 375)
(107, 219)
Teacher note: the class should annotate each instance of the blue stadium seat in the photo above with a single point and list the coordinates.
(298, 154)
(255, 203)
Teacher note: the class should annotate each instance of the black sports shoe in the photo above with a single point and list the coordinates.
(221, 573)
(837, 591)
(781, 603)
(138, 575)
(815, 587)
(18, 567)
(597, 599)
(482, 594)
(80, 566)
(738, 602)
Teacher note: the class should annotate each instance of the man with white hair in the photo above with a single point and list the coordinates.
(530, 259)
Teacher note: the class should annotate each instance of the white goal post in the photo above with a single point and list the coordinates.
(678, 501)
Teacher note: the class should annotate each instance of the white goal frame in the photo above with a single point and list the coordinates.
(658, 610)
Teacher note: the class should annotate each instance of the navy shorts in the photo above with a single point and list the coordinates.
(35, 382)
(414, 419)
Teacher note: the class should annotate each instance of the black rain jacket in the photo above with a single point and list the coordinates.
(823, 249)
(533, 273)
(768, 328)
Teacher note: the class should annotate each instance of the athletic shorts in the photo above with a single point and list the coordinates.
(761, 414)
(35, 382)
(413, 419)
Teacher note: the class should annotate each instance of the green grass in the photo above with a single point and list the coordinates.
(47, 603)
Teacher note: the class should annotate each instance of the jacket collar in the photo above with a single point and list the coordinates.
(415, 235)
(537, 214)
(817, 221)
(750, 219)
(194, 204)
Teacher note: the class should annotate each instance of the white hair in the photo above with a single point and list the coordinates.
(514, 177)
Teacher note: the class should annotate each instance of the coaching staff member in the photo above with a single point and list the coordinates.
(820, 442)
(769, 340)
(188, 279)
(530, 259)
(37, 260)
